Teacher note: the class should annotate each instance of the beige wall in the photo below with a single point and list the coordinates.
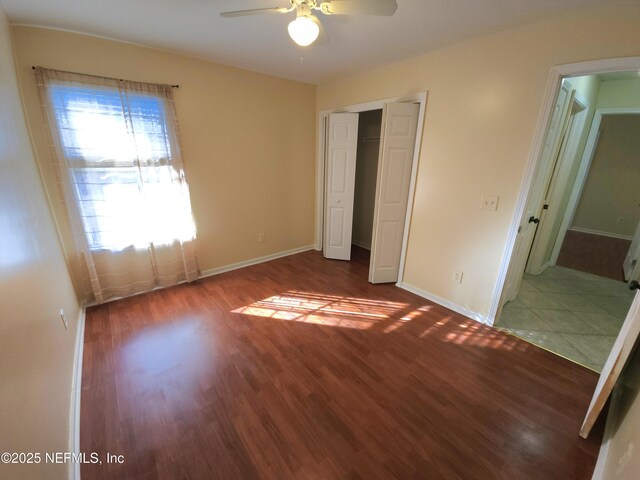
(36, 352)
(610, 200)
(591, 213)
(369, 126)
(484, 99)
(248, 139)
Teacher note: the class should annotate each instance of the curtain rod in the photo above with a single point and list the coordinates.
(33, 67)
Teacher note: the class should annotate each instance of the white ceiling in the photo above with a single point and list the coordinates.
(261, 42)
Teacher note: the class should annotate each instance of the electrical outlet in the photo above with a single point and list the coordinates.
(489, 202)
(64, 319)
(261, 237)
(457, 277)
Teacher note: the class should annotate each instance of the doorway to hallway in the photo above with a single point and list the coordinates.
(577, 255)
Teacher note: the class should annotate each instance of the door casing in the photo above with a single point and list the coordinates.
(421, 99)
(556, 75)
(548, 152)
(631, 270)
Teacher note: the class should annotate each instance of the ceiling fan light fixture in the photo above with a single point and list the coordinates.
(303, 30)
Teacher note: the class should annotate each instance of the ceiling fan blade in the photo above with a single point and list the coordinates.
(359, 7)
(255, 11)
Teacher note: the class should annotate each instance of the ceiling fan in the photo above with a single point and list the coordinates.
(306, 27)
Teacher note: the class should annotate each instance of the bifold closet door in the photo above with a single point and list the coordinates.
(397, 144)
(342, 144)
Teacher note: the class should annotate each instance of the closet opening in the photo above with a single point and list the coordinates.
(369, 172)
(367, 154)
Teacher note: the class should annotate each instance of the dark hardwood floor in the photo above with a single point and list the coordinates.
(300, 369)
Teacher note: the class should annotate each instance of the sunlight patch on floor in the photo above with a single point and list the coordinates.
(407, 318)
(364, 313)
(321, 309)
(476, 334)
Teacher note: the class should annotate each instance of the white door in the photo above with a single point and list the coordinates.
(622, 348)
(342, 144)
(542, 246)
(631, 260)
(397, 144)
(533, 208)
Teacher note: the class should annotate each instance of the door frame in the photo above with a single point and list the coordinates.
(555, 77)
(634, 247)
(323, 117)
(566, 159)
(583, 169)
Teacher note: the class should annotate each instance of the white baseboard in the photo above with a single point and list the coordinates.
(445, 303)
(601, 233)
(254, 261)
(225, 268)
(76, 389)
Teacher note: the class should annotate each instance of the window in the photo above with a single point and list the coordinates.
(125, 192)
(117, 151)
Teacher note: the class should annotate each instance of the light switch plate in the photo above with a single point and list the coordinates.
(489, 202)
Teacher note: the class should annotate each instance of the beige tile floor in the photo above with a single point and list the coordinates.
(574, 314)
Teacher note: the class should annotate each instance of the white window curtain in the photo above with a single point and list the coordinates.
(120, 169)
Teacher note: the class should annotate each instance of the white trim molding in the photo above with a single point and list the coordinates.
(76, 390)
(444, 303)
(218, 270)
(254, 261)
(601, 233)
(556, 75)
